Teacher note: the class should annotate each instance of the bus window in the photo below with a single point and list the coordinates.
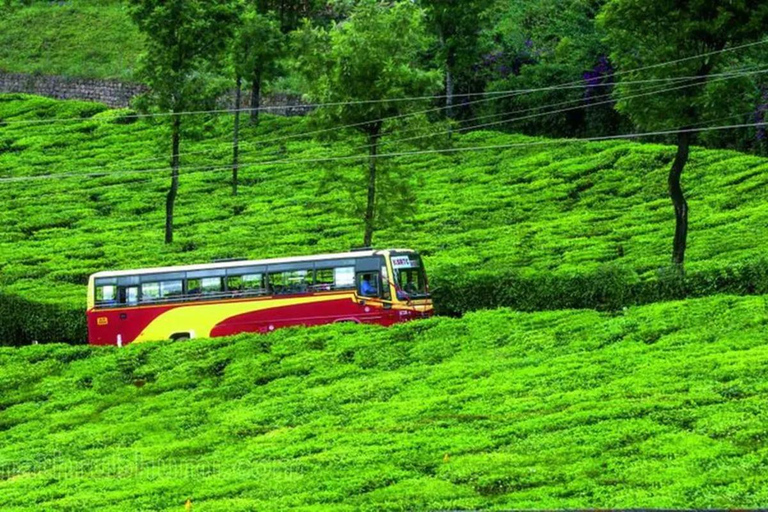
(106, 295)
(132, 295)
(204, 286)
(247, 283)
(344, 278)
(368, 284)
(150, 292)
(289, 282)
(385, 293)
(162, 290)
(409, 278)
(323, 280)
(339, 278)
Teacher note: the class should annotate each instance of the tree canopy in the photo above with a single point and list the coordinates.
(364, 67)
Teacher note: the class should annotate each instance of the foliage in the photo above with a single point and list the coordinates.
(655, 407)
(27, 321)
(642, 34)
(364, 73)
(536, 44)
(258, 45)
(455, 24)
(76, 39)
(184, 38)
(185, 42)
(291, 13)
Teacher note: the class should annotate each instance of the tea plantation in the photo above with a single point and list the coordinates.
(76, 38)
(560, 224)
(658, 406)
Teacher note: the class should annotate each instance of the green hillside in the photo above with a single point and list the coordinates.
(76, 38)
(556, 225)
(661, 406)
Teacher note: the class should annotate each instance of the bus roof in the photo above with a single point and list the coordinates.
(241, 263)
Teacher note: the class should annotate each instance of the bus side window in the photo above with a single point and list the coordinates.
(247, 283)
(204, 286)
(132, 295)
(105, 295)
(323, 280)
(368, 284)
(344, 278)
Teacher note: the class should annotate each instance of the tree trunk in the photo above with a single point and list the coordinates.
(448, 92)
(255, 96)
(370, 211)
(678, 199)
(170, 199)
(236, 135)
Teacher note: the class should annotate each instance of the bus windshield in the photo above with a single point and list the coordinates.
(410, 278)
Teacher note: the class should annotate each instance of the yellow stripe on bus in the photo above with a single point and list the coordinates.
(201, 319)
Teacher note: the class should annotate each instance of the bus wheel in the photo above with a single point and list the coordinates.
(180, 336)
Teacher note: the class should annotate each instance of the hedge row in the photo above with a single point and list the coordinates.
(609, 288)
(23, 322)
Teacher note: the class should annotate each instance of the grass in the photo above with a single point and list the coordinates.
(76, 38)
(660, 406)
(561, 209)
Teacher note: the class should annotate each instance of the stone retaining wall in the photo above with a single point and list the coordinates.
(120, 94)
(109, 92)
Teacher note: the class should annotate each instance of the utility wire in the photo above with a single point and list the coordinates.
(225, 148)
(559, 111)
(391, 100)
(102, 171)
(400, 154)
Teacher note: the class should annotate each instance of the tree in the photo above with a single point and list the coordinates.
(265, 21)
(258, 44)
(457, 26)
(363, 66)
(183, 40)
(535, 44)
(642, 33)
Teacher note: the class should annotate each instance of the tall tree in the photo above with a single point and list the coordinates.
(643, 33)
(258, 44)
(456, 24)
(364, 66)
(265, 17)
(184, 39)
(533, 44)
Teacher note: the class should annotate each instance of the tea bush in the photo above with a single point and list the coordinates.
(24, 321)
(657, 406)
(76, 38)
(562, 224)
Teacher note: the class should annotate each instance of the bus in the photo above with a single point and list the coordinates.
(229, 297)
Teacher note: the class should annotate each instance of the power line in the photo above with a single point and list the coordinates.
(399, 154)
(306, 134)
(556, 87)
(393, 100)
(101, 169)
(654, 92)
(574, 84)
(559, 111)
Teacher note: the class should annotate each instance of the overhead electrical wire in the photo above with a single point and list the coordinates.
(399, 154)
(391, 100)
(101, 171)
(222, 148)
(730, 74)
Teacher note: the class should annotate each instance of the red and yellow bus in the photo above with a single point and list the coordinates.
(230, 297)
